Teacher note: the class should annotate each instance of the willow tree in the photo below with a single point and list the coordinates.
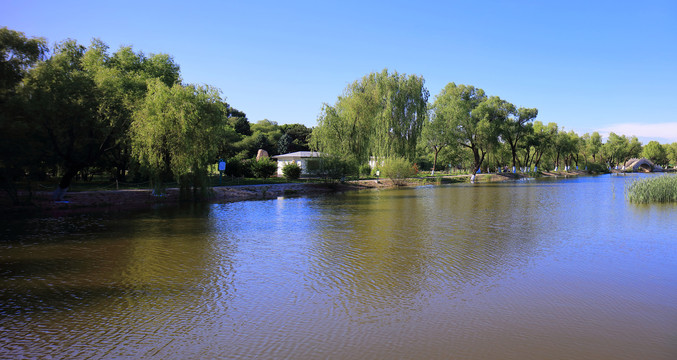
(404, 101)
(177, 130)
(380, 115)
(124, 77)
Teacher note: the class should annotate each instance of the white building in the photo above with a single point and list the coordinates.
(300, 158)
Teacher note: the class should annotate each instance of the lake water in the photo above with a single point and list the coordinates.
(553, 269)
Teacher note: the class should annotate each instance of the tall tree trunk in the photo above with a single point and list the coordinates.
(478, 162)
(65, 183)
(437, 151)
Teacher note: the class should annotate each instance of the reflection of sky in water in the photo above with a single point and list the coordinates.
(478, 271)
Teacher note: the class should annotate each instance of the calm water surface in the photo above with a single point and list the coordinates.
(562, 269)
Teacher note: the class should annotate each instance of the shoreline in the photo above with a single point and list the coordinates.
(139, 199)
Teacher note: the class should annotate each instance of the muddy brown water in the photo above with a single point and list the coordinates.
(555, 269)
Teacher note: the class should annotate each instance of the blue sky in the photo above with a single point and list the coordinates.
(586, 65)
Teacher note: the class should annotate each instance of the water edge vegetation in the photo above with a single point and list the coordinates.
(659, 189)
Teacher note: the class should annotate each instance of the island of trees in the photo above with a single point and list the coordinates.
(74, 111)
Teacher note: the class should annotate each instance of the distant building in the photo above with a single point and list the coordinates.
(300, 158)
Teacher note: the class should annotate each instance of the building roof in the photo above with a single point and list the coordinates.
(298, 154)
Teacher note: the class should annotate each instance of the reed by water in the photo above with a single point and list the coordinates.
(659, 189)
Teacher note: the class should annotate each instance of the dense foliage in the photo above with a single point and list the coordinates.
(75, 110)
(380, 115)
(397, 169)
(126, 115)
(291, 171)
(264, 167)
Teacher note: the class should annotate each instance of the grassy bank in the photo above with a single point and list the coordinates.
(660, 189)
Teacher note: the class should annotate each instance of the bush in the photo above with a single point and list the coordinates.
(237, 167)
(313, 166)
(397, 169)
(263, 168)
(660, 189)
(365, 170)
(595, 168)
(291, 171)
(333, 168)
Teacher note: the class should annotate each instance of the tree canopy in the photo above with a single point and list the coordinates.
(177, 129)
(380, 115)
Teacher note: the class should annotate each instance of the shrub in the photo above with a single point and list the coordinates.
(263, 168)
(595, 168)
(333, 168)
(237, 167)
(291, 171)
(313, 166)
(654, 189)
(397, 169)
(365, 170)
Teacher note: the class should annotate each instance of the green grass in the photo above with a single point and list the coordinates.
(659, 189)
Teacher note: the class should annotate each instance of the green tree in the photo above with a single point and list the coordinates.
(284, 145)
(403, 109)
(618, 149)
(344, 129)
(634, 148)
(672, 153)
(18, 54)
(575, 148)
(515, 128)
(379, 115)
(266, 135)
(476, 121)
(261, 141)
(543, 140)
(129, 73)
(437, 134)
(74, 113)
(239, 122)
(592, 144)
(80, 103)
(299, 135)
(177, 129)
(655, 152)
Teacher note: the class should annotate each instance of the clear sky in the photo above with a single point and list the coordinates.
(586, 65)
